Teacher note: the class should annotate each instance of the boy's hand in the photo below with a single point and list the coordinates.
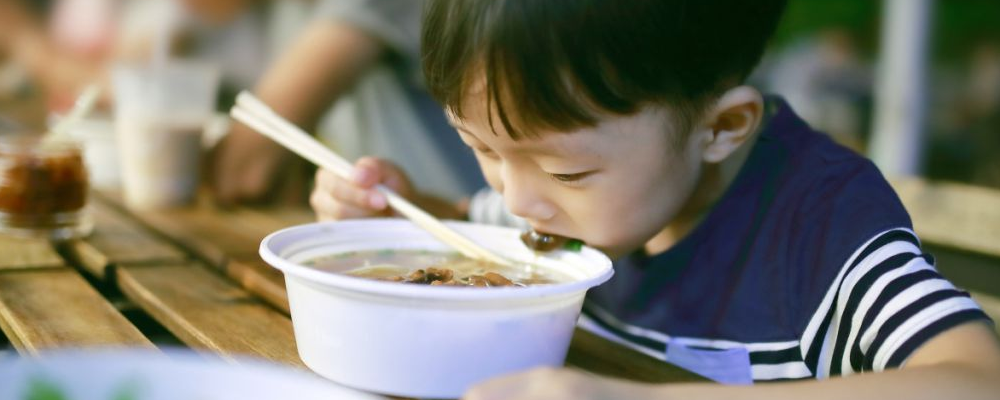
(335, 198)
(558, 384)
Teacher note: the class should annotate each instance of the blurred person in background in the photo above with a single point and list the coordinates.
(50, 52)
(62, 48)
(984, 110)
(965, 131)
(827, 79)
(241, 37)
(352, 75)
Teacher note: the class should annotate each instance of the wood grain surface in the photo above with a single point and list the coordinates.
(118, 239)
(18, 253)
(55, 308)
(208, 311)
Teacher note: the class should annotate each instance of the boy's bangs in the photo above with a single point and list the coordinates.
(538, 73)
(562, 64)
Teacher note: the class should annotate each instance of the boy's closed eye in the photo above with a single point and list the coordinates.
(484, 151)
(574, 178)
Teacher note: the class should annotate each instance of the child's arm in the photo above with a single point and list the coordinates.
(960, 363)
(319, 66)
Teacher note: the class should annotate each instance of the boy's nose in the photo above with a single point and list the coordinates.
(524, 200)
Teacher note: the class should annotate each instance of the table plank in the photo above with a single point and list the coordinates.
(595, 354)
(207, 311)
(260, 279)
(117, 239)
(18, 253)
(44, 309)
(952, 214)
(227, 240)
(215, 234)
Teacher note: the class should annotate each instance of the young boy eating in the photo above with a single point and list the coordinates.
(748, 247)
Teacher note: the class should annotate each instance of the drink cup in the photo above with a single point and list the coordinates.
(160, 114)
(96, 135)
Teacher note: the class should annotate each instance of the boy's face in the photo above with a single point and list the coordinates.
(614, 186)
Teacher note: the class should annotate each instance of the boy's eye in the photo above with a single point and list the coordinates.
(569, 178)
(486, 152)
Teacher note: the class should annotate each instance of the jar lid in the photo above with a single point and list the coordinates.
(36, 145)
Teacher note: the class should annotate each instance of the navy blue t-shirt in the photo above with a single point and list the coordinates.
(806, 267)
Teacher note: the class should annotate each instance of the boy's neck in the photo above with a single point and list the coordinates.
(715, 180)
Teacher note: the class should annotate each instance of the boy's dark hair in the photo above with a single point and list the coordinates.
(559, 64)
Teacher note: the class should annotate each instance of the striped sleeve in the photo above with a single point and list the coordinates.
(887, 300)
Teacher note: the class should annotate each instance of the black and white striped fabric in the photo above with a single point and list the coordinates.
(887, 300)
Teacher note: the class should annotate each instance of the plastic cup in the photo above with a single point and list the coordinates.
(419, 340)
(160, 114)
(96, 136)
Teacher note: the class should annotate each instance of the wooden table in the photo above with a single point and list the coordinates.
(190, 277)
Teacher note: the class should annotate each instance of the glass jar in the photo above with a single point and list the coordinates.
(43, 189)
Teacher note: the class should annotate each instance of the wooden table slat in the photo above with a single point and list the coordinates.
(260, 279)
(208, 311)
(20, 253)
(117, 239)
(595, 354)
(951, 214)
(44, 309)
(215, 235)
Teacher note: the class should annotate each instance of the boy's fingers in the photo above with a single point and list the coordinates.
(330, 209)
(326, 180)
(331, 184)
(354, 196)
(368, 171)
(343, 191)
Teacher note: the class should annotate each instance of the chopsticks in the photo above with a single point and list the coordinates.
(257, 115)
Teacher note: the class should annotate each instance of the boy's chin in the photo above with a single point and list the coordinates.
(612, 252)
(617, 249)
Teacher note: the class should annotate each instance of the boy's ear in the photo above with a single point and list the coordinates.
(731, 122)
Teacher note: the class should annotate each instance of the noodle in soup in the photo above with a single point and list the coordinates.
(434, 268)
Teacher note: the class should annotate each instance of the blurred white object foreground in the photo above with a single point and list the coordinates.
(148, 375)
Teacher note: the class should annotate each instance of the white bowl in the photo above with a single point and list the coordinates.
(419, 340)
(151, 375)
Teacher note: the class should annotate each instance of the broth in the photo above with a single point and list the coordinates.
(434, 268)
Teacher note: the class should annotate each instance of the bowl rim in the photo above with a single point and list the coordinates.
(427, 292)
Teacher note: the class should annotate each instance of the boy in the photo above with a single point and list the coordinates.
(748, 247)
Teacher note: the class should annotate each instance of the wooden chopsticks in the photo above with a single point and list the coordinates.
(257, 115)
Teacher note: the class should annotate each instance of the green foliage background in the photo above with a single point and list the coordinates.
(957, 25)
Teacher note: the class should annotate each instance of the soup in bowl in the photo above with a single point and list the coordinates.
(381, 305)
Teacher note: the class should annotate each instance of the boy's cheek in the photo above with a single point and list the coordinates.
(493, 180)
(491, 172)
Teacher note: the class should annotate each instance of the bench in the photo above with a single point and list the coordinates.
(960, 225)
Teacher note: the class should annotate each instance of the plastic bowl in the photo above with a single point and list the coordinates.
(419, 340)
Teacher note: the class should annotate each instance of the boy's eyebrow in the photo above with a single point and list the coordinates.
(525, 146)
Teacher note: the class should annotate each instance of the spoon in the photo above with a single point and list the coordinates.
(543, 242)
